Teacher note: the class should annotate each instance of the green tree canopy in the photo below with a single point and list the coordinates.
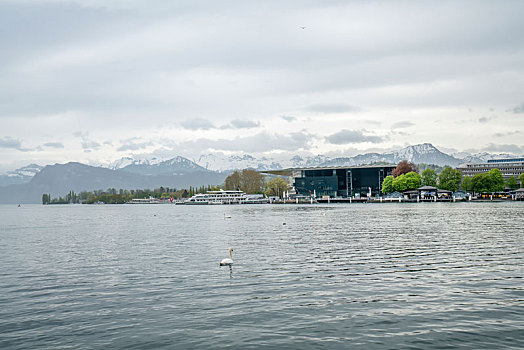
(466, 185)
(481, 183)
(400, 183)
(450, 179)
(387, 184)
(46, 198)
(413, 180)
(276, 187)
(429, 177)
(511, 183)
(521, 178)
(497, 181)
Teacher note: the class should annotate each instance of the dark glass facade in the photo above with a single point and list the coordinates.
(347, 182)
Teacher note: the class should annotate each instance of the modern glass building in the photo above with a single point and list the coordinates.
(344, 182)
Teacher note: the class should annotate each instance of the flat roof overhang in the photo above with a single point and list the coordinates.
(289, 171)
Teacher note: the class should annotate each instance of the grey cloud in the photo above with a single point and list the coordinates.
(197, 124)
(333, 108)
(145, 62)
(396, 132)
(241, 124)
(11, 143)
(485, 119)
(517, 109)
(402, 124)
(262, 142)
(54, 144)
(8, 142)
(132, 145)
(289, 118)
(509, 133)
(90, 145)
(511, 148)
(345, 136)
(319, 63)
(244, 124)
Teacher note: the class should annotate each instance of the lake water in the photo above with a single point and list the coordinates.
(385, 276)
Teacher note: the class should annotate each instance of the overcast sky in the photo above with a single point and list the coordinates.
(96, 80)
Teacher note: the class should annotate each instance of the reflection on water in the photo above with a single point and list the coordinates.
(431, 275)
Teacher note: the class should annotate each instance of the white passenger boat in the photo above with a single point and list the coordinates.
(149, 200)
(217, 197)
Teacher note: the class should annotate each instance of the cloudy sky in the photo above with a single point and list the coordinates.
(96, 80)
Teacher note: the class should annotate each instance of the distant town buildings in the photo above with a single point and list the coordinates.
(508, 167)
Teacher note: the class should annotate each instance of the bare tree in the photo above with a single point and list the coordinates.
(252, 181)
(233, 181)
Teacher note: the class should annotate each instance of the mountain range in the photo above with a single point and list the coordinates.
(27, 184)
(59, 179)
(421, 153)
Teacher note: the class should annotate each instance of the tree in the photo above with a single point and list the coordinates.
(511, 183)
(424, 166)
(467, 184)
(387, 184)
(481, 183)
(46, 198)
(497, 181)
(400, 183)
(233, 181)
(413, 180)
(276, 187)
(429, 177)
(450, 179)
(251, 181)
(403, 167)
(521, 179)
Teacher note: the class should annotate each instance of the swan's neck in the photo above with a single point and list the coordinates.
(230, 255)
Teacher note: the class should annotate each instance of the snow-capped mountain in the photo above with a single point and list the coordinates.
(484, 157)
(20, 175)
(422, 153)
(127, 161)
(310, 161)
(425, 153)
(222, 162)
(156, 166)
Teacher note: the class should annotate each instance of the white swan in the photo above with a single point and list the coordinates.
(227, 261)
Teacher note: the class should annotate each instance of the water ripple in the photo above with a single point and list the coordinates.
(432, 275)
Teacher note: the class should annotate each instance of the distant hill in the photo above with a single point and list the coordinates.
(59, 179)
